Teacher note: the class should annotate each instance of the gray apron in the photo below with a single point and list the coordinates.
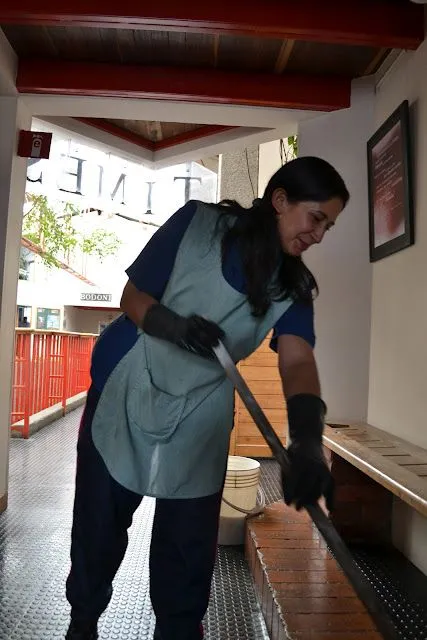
(163, 421)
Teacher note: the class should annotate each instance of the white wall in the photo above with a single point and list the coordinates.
(397, 397)
(269, 162)
(87, 320)
(239, 175)
(398, 366)
(341, 263)
(50, 288)
(8, 67)
(12, 184)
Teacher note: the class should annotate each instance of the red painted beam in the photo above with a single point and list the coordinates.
(201, 132)
(317, 93)
(378, 23)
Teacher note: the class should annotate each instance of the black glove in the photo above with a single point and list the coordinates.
(309, 477)
(194, 334)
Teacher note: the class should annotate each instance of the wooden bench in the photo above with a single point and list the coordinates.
(369, 466)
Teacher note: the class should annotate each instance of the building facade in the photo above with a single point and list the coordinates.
(117, 196)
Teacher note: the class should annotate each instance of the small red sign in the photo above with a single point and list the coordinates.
(34, 144)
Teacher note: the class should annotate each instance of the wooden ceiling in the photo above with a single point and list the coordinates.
(283, 53)
(155, 131)
(162, 48)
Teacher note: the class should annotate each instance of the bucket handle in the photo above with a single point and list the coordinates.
(259, 507)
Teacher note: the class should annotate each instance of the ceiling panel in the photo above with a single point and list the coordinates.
(330, 59)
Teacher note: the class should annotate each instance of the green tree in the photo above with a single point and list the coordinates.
(51, 228)
(293, 145)
(288, 151)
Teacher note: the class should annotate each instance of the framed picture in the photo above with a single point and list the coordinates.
(391, 216)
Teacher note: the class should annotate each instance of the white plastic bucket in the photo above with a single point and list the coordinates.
(240, 490)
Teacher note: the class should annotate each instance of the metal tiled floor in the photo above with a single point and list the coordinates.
(401, 586)
(34, 561)
(270, 480)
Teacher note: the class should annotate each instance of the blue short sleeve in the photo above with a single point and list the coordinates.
(298, 320)
(151, 270)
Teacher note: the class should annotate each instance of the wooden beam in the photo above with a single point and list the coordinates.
(378, 23)
(216, 50)
(284, 55)
(372, 66)
(210, 86)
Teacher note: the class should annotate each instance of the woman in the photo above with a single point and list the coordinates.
(160, 409)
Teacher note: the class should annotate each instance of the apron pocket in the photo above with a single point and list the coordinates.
(152, 411)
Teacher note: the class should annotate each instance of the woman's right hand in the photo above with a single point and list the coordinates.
(195, 334)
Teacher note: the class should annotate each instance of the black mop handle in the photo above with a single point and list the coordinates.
(363, 588)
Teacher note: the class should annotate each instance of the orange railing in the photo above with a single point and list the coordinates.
(50, 367)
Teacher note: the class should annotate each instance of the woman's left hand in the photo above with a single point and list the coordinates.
(309, 478)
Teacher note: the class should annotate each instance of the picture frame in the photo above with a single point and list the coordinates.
(391, 210)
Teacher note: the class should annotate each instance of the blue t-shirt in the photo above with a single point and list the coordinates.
(150, 272)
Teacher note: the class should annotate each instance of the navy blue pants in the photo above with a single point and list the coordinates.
(182, 552)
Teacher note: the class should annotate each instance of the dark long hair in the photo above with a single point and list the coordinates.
(270, 273)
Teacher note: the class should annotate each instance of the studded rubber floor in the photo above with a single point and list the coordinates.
(34, 547)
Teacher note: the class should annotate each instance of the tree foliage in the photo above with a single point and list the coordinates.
(288, 150)
(293, 145)
(51, 228)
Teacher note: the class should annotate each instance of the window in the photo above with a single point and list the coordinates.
(48, 318)
(23, 316)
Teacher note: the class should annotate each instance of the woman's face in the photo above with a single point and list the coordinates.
(302, 224)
